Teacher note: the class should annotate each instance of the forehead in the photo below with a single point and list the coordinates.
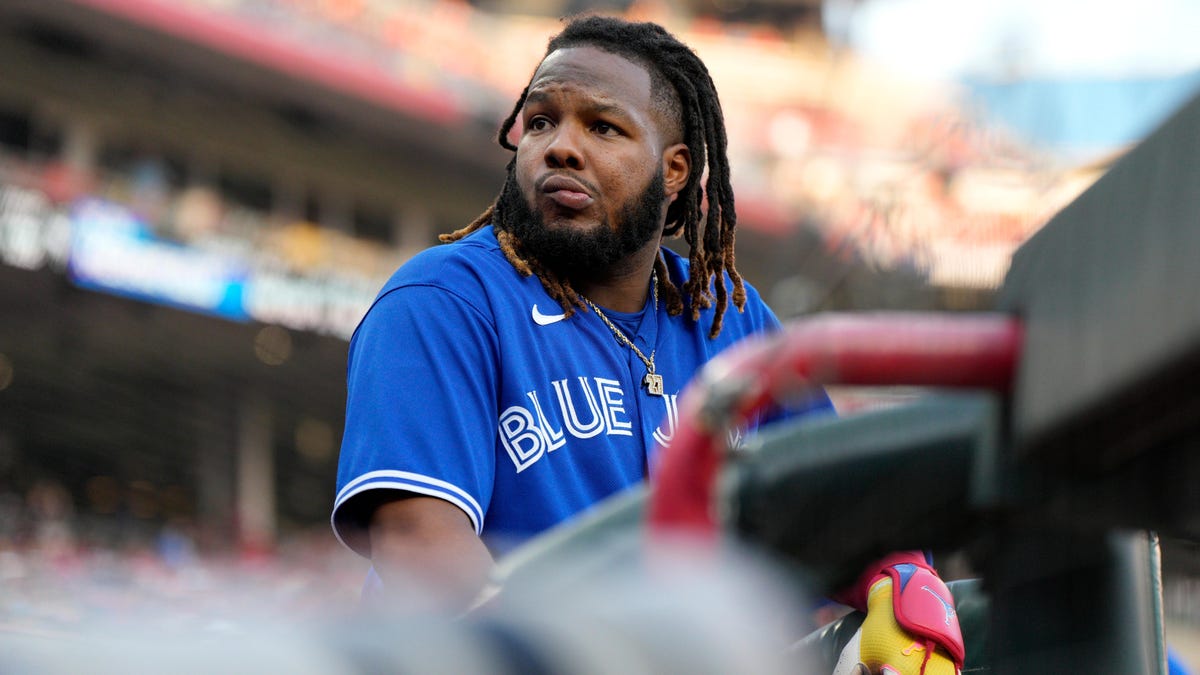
(593, 72)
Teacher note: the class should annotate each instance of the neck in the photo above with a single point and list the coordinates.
(627, 287)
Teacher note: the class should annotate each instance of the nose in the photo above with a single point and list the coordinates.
(563, 149)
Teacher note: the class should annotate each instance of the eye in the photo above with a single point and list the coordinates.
(538, 123)
(605, 129)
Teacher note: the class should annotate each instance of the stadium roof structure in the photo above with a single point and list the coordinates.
(312, 82)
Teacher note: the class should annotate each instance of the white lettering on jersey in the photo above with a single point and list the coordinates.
(663, 438)
(522, 439)
(566, 403)
(528, 434)
(735, 437)
(613, 399)
(553, 437)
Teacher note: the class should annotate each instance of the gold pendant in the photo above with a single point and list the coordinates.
(654, 384)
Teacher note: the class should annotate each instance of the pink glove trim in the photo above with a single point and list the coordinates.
(856, 595)
(924, 607)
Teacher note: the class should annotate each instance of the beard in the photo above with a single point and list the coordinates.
(571, 253)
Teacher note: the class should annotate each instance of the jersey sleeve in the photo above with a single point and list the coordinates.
(420, 408)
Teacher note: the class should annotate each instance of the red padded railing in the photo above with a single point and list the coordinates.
(977, 351)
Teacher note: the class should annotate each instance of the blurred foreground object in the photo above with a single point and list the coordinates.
(1050, 486)
(733, 615)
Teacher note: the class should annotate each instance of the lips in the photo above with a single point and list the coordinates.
(566, 192)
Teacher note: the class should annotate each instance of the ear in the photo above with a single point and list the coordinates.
(677, 167)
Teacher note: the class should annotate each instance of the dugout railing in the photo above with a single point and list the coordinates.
(1054, 485)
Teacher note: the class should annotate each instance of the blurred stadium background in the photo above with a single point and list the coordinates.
(199, 199)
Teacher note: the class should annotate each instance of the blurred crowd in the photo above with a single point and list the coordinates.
(899, 174)
(59, 575)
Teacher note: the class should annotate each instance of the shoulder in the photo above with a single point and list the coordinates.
(471, 260)
(442, 282)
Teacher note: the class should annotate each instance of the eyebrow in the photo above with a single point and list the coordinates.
(539, 96)
(610, 109)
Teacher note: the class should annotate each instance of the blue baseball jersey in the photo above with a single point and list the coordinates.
(465, 382)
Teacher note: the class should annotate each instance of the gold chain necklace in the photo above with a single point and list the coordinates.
(653, 381)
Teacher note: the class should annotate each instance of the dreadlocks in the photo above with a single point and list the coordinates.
(683, 91)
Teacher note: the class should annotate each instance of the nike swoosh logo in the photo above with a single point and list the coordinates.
(546, 319)
(945, 605)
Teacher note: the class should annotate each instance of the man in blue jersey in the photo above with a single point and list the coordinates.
(507, 381)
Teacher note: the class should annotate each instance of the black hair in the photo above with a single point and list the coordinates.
(683, 93)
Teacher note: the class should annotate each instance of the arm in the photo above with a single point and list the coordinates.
(417, 460)
(426, 549)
